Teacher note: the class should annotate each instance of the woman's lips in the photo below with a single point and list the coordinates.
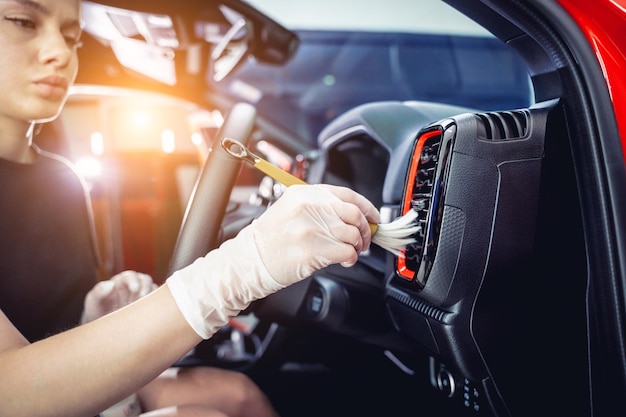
(52, 87)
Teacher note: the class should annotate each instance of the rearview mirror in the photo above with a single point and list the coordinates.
(232, 47)
(269, 41)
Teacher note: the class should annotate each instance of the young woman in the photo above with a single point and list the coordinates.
(46, 222)
(89, 368)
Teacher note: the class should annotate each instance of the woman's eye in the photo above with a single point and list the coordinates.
(22, 22)
(73, 42)
(73, 38)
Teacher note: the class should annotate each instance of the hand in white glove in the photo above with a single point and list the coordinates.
(116, 292)
(314, 227)
(308, 228)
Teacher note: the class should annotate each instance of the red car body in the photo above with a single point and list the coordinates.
(603, 23)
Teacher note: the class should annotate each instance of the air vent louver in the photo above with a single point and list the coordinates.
(424, 193)
(503, 125)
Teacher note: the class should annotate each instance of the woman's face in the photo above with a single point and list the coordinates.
(38, 62)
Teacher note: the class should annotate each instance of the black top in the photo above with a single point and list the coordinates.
(48, 257)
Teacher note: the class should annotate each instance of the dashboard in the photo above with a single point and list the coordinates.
(473, 179)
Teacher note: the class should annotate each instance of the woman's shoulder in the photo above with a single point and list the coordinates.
(51, 158)
(52, 167)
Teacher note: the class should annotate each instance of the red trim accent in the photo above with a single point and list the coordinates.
(401, 268)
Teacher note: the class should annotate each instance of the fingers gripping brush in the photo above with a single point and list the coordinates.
(393, 236)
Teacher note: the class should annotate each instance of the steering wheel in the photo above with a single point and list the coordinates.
(201, 225)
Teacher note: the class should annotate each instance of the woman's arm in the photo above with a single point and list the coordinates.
(89, 368)
(84, 370)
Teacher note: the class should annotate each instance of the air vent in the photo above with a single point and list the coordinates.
(424, 193)
(503, 125)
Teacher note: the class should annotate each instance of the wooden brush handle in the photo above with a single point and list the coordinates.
(288, 180)
(278, 174)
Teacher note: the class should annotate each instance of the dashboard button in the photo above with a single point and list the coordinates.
(445, 383)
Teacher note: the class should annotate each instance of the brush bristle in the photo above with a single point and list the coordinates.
(396, 235)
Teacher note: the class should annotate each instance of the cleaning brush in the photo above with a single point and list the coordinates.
(393, 236)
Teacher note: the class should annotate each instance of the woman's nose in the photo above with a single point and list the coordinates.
(55, 50)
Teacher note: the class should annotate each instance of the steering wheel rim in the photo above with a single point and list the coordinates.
(200, 229)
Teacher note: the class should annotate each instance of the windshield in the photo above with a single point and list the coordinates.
(357, 52)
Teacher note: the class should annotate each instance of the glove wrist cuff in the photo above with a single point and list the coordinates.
(218, 286)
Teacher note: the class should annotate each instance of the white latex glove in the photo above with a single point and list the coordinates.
(308, 228)
(116, 292)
